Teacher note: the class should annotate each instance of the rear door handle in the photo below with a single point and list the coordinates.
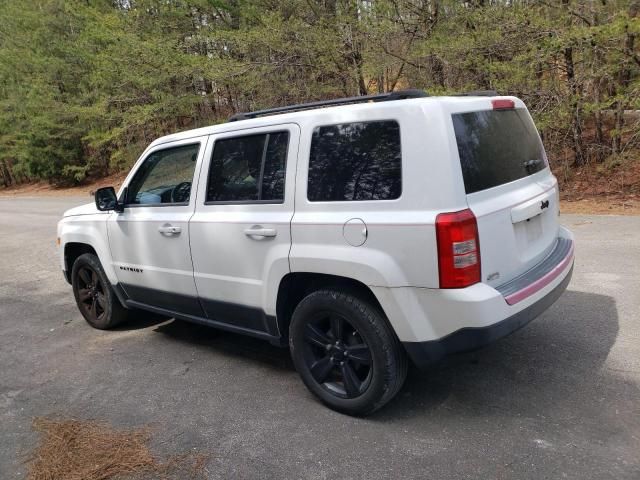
(169, 230)
(260, 232)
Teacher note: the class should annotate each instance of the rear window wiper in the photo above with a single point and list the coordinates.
(531, 166)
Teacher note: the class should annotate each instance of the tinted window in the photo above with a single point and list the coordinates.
(355, 161)
(249, 168)
(496, 147)
(275, 163)
(164, 177)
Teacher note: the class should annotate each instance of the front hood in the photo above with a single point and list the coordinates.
(88, 209)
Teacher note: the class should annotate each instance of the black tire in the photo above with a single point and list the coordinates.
(95, 298)
(336, 366)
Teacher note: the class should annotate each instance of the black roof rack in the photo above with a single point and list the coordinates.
(382, 97)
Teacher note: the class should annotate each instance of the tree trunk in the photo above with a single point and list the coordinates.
(576, 107)
(6, 178)
(597, 120)
(616, 138)
(624, 79)
(234, 13)
(357, 60)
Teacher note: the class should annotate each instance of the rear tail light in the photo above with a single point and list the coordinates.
(458, 249)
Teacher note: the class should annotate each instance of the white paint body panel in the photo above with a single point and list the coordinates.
(400, 249)
(137, 243)
(425, 314)
(231, 266)
(89, 226)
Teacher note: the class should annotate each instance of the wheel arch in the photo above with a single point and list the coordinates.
(296, 285)
(72, 250)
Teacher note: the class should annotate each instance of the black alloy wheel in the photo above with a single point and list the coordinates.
(94, 295)
(346, 352)
(91, 297)
(336, 355)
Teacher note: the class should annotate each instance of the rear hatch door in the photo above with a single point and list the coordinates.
(509, 188)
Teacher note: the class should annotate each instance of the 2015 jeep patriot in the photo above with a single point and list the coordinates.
(361, 232)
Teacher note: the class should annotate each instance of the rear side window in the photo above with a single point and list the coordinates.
(248, 169)
(355, 161)
(497, 147)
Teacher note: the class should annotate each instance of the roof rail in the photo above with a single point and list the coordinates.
(382, 97)
(478, 93)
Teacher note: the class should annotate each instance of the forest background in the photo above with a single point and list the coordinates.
(85, 85)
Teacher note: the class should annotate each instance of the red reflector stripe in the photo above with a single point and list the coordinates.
(541, 282)
(503, 104)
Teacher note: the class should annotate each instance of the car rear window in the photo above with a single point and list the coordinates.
(497, 147)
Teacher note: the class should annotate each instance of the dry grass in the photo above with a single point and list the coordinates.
(90, 450)
(605, 205)
(612, 187)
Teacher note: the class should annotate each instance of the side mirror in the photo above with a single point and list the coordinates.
(106, 200)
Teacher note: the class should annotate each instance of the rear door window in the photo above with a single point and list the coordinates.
(497, 147)
(355, 161)
(248, 169)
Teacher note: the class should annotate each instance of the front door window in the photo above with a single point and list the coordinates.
(165, 177)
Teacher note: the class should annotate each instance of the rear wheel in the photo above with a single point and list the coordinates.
(95, 298)
(345, 352)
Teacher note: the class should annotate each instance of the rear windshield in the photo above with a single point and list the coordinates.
(496, 147)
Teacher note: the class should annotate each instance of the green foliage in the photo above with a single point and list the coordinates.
(86, 85)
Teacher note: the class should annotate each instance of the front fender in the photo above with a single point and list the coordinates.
(90, 230)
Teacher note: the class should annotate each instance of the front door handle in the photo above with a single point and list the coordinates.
(260, 232)
(169, 230)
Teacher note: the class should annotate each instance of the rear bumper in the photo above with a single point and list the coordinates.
(471, 338)
(541, 275)
(433, 322)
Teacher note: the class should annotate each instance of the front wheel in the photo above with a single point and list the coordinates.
(95, 298)
(345, 352)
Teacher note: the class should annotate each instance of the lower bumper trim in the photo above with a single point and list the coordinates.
(466, 339)
(539, 276)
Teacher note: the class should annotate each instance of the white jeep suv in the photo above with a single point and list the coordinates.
(360, 232)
